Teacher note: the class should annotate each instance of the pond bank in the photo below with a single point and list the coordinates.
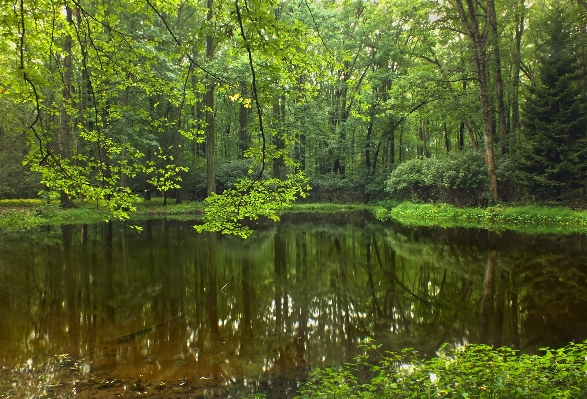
(27, 214)
(526, 219)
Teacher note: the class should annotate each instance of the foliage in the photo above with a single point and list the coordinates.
(472, 371)
(248, 200)
(526, 218)
(27, 203)
(358, 88)
(336, 188)
(458, 179)
(229, 173)
(554, 157)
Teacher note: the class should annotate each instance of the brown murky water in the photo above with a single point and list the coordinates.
(104, 311)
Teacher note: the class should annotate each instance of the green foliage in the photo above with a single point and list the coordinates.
(165, 178)
(27, 203)
(527, 218)
(472, 371)
(554, 157)
(13, 219)
(229, 173)
(336, 188)
(458, 178)
(248, 200)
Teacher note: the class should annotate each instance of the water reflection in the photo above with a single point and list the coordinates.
(101, 310)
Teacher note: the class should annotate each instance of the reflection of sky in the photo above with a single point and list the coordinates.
(277, 314)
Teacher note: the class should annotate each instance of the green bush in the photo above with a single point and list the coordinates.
(336, 188)
(457, 178)
(508, 179)
(472, 371)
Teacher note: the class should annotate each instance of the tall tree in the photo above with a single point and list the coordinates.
(477, 33)
(555, 123)
(209, 103)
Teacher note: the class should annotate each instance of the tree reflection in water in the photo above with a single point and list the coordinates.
(168, 311)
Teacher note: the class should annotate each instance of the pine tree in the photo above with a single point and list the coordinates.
(554, 118)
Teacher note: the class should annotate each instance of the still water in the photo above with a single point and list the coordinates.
(103, 311)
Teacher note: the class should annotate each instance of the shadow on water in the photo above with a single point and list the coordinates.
(102, 310)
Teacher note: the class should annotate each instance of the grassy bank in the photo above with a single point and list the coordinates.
(531, 219)
(27, 214)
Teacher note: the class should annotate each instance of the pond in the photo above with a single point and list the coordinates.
(102, 311)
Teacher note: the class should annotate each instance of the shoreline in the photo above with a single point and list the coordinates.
(18, 215)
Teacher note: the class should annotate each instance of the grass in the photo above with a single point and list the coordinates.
(529, 219)
(326, 208)
(28, 214)
(24, 214)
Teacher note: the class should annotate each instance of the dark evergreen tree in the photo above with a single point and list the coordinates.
(553, 161)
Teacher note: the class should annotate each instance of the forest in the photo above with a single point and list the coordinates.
(255, 103)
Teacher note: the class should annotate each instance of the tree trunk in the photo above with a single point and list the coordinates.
(517, 60)
(243, 118)
(279, 120)
(65, 130)
(209, 102)
(478, 41)
(501, 111)
(446, 138)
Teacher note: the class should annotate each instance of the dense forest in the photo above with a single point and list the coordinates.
(459, 101)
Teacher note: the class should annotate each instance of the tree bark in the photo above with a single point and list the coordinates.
(517, 59)
(501, 111)
(209, 102)
(65, 130)
(478, 42)
(279, 120)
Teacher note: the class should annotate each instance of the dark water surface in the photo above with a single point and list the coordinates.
(104, 311)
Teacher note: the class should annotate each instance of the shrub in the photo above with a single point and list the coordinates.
(457, 178)
(336, 188)
(473, 371)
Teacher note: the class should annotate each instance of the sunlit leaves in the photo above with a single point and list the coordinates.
(250, 199)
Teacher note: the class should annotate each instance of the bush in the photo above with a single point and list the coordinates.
(473, 371)
(227, 174)
(457, 178)
(335, 188)
(508, 179)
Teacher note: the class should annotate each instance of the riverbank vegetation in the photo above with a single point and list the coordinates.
(472, 371)
(26, 214)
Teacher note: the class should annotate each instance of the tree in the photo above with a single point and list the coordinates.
(477, 34)
(555, 156)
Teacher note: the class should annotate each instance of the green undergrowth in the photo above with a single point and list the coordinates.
(28, 214)
(530, 219)
(326, 208)
(472, 371)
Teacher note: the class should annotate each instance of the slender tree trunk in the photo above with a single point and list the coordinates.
(478, 40)
(501, 110)
(65, 130)
(209, 101)
(279, 120)
(368, 138)
(462, 136)
(517, 60)
(446, 138)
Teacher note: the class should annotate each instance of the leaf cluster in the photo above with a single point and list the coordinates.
(459, 179)
(471, 371)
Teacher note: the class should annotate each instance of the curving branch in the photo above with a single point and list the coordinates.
(253, 87)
